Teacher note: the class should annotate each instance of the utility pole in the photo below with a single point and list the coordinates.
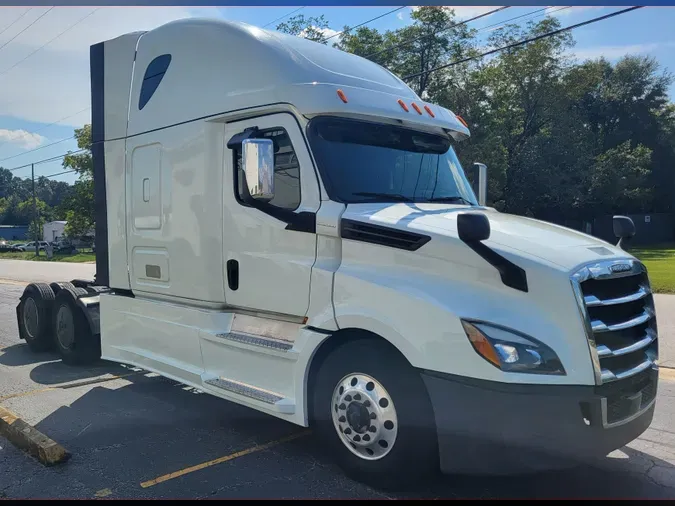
(35, 217)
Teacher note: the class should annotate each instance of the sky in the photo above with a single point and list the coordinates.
(44, 67)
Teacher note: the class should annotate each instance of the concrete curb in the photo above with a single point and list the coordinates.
(31, 440)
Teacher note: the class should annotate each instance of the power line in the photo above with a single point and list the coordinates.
(37, 149)
(35, 21)
(48, 159)
(364, 23)
(502, 23)
(434, 33)
(523, 42)
(16, 20)
(282, 17)
(58, 173)
(49, 42)
(527, 14)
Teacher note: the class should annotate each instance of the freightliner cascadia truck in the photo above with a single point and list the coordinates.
(287, 226)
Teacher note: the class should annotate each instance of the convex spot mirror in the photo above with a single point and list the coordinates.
(473, 227)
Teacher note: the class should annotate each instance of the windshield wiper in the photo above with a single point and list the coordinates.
(450, 200)
(393, 196)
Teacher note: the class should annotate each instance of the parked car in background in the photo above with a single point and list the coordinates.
(30, 246)
(64, 247)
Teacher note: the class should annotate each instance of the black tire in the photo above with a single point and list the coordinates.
(56, 286)
(413, 457)
(35, 311)
(72, 334)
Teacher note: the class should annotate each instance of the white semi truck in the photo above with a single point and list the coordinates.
(287, 226)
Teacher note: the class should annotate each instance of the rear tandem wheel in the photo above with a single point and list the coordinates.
(74, 339)
(34, 316)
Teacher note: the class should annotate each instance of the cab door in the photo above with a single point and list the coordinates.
(268, 259)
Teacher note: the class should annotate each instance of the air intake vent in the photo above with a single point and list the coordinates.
(618, 308)
(384, 236)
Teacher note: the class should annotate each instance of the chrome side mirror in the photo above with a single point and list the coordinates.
(482, 183)
(258, 164)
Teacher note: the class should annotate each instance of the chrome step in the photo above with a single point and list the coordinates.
(245, 390)
(256, 341)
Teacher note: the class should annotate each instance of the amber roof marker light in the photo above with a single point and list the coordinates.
(461, 120)
(429, 111)
(416, 107)
(342, 96)
(403, 106)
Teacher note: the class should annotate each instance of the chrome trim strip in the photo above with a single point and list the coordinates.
(604, 351)
(608, 376)
(593, 301)
(600, 326)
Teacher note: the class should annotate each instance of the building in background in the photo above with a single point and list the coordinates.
(53, 230)
(13, 232)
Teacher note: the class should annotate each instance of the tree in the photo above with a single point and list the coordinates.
(311, 28)
(553, 131)
(78, 207)
(81, 162)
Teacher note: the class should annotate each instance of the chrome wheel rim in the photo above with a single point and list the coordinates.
(65, 330)
(364, 416)
(31, 318)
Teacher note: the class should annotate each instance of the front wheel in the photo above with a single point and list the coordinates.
(372, 411)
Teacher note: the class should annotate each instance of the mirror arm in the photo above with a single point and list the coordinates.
(237, 139)
(301, 222)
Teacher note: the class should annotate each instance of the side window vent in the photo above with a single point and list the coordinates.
(153, 76)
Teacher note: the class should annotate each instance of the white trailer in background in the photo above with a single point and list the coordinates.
(288, 227)
(53, 230)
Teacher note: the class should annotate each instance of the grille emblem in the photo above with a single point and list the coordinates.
(620, 267)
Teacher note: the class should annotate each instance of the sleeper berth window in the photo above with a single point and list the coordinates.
(152, 77)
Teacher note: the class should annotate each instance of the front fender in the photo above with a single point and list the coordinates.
(419, 313)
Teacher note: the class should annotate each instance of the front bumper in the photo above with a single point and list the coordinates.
(500, 428)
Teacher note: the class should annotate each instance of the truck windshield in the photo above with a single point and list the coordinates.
(372, 162)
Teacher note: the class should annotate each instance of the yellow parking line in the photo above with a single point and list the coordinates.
(220, 460)
(23, 394)
(67, 386)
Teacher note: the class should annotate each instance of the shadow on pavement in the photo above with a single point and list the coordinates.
(20, 354)
(49, 370)
(124, 433)
(54, 373)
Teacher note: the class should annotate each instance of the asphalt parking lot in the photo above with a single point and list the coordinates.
(133, 434)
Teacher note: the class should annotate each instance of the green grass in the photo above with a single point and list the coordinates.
(660, 262)
(30, 255)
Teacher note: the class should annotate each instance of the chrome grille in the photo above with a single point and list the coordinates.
(617, 306)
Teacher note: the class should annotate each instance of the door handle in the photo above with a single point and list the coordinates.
(232, 274)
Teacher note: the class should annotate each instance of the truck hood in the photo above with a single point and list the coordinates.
(534, 239)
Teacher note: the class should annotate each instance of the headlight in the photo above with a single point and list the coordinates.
(511, 351)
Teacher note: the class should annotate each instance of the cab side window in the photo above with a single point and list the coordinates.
(286, 170)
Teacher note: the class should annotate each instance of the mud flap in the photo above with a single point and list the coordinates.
(91, 308)
(18, 318)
